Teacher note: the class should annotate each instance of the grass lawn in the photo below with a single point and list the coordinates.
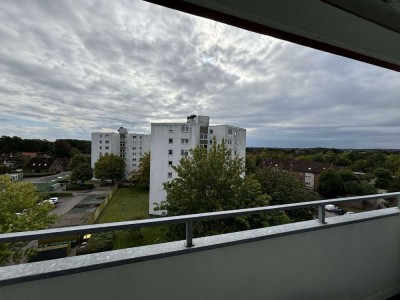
(130, 204)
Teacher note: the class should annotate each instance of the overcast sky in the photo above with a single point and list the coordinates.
(68, 68)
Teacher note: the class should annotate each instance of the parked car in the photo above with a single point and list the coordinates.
(340, 211)
(330, 207)
(55, 200)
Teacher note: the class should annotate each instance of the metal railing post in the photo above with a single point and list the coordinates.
(398, 202)
(189, 234)
(321, 214)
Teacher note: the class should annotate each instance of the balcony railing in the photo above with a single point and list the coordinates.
(188, 219)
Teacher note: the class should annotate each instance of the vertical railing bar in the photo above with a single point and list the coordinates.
(398, 202)
(321, 214)
(189, 234)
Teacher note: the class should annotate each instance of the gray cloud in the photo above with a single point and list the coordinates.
(68, 68)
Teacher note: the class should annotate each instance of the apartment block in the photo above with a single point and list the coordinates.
(172, 141)
(130, 146)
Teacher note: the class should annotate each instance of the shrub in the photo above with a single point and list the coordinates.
(99, 242)
(79, 187)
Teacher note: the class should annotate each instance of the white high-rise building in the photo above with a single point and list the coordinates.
(130, 146)
(171, 141)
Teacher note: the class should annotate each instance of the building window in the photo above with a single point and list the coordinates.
(169, 152)
(100, 153)
(235, 153)
(140, 153)
(133, 159)
(235, 132)
(229, 142)
(107, 135)
(185, 141)
(134, 153)
(205, 146)
(203, 136)
(133, 165)
(107, 142)
(101, 135)
(169, 174)
(122, 155)
(185, 128)
(140, 137)
(210, 142)
(170, 163)
(140, 148)
(122, 145)
(211, 131)
(184, 152)
(133, 148)
(101, 142)
(134, 142)
(140, 142)
(230, 131)
(100, 147)
(170, 141)
(134, 136)
(171, 128)
(107, 147)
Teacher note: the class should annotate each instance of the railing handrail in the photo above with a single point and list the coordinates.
(188, 219)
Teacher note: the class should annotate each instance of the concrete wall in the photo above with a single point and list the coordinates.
(349, 261)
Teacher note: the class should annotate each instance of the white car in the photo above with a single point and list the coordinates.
(349, 213)
(330, 207)
(55, 200)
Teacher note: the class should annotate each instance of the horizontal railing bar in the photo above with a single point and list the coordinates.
(75, 230)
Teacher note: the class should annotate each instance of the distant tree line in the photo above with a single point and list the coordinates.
(58, 148)
(378, 169)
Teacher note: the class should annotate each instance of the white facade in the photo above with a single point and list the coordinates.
(171, 141)
(130, 146)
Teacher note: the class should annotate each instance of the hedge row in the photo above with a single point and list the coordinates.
(38, 174)
(79, 187)
(99, 242)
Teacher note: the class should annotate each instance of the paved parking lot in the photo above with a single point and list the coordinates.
(66, 203)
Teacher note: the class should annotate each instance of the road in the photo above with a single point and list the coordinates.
(45, 178)
(66, 203)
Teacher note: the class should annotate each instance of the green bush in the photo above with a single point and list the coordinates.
(38, 174)
(99, 242)
(80, 187)
(47, 195)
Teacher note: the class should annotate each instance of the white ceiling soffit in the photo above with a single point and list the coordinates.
(366, 30)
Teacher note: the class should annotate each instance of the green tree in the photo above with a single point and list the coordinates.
(77, 160)
(383, 178)
(209, 181)
(4, 169)
(109, 167)
(394, 185)
(251, 163)
(284, 188)
(330, 184)
(81, 173)
(142, 176)
(348, 175)
(359, 165)
(19, 212)
(62, 148)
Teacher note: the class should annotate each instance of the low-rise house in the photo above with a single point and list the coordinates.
(30, 154)
(308, 171)
(43, 165)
